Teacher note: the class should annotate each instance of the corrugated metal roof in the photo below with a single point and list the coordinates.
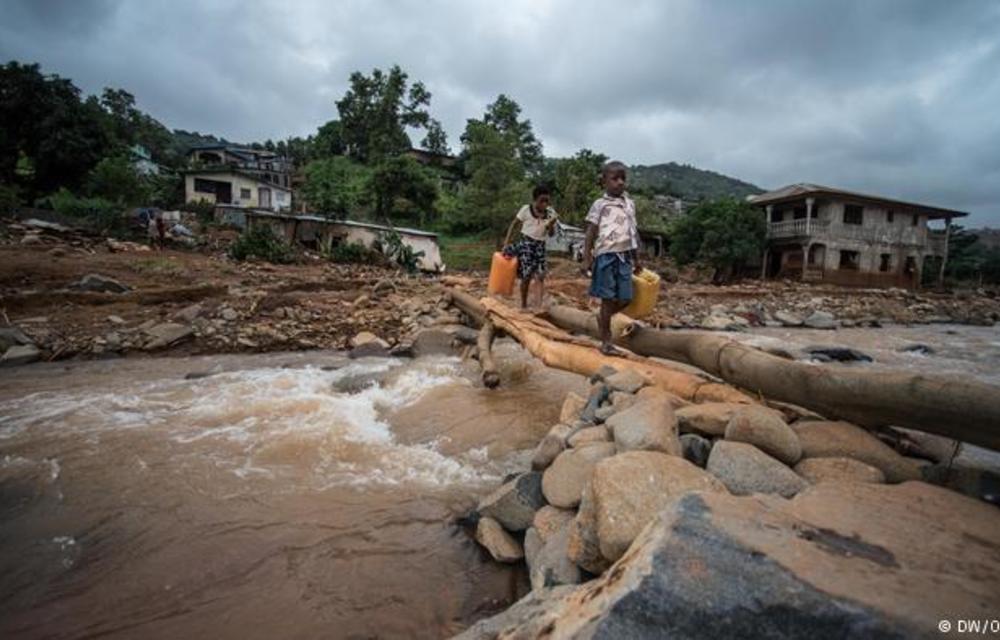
(805, 189)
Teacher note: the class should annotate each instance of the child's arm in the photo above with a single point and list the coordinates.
(588, 245)
(510, 232)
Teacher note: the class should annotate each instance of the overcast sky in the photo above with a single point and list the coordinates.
(896, 98)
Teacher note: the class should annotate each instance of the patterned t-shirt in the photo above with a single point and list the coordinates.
(535, 228)
(617, 230)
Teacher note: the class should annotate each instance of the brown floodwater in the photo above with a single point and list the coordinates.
(282, 496)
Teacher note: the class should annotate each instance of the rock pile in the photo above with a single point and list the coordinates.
(735, 504)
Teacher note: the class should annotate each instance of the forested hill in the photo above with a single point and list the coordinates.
(687, 182)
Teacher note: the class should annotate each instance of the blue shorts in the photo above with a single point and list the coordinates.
(612, 277)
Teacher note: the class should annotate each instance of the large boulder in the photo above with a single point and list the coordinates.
(166, 334)
(648, 425)
(549, 520)
(839, 560)
(825, 439)
(821, 320)
(12, 337)
(563, 482)
(20, 354)
(431, 342)
(501, 545)
(709, 419)
(745, 469)
(765, 429)
(589, 434)
(626, 381)
(514, 504)
(629, 489)
(550, 446)
(571, 408)
(838, 470)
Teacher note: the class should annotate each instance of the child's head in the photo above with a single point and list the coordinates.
(613, 177)
(541, 196)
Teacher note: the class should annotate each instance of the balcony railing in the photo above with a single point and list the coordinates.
(934, 241)
(797, 228)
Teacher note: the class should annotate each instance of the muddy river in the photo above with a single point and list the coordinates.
(271, 496)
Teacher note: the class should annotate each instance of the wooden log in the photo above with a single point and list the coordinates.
(952, 406)
(491, 378)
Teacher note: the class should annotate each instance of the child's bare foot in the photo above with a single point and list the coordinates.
(610, 350)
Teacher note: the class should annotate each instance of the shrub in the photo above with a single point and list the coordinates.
(353, 253)
(100, 214)
(262, 243)
(390, 244)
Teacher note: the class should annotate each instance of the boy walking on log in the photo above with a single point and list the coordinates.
(610, 249)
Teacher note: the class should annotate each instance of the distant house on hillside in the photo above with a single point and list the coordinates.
(822, 234)
(142, 160)
(228, 175)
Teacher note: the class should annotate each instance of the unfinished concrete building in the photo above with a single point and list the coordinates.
(820, 234)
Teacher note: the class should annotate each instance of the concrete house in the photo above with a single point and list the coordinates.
(822, 234)
(228, 175)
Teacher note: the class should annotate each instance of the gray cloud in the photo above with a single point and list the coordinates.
(892, 97)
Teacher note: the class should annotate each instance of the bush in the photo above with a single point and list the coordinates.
(725, 234)
(354, 253)
(390, 244)
(103, 215)
(261, 243)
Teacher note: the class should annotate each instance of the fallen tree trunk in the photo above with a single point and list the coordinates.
(557, 349)
(951, 406)
(485, 343)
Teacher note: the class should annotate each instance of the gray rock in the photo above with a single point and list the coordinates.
(533, 544)
(708, 419)
(765, 429)
(12, 336)
(836, 354)
(603, 413)
(373, 349)
(696, 449)
(627, 381)
(551, 446)
(823, 439)
(100, 284)
(20, 354)
(514, 504)
(530, 614)
(820, 320)
(501, 545)
(649, 425)
(551, 566)
(584, 548)
(602, 374)
(563, 482)
(840, 560)
(189, 313)
(433, 342)
(166, 334)
(788, 319)
(589, 434)
(745, 469)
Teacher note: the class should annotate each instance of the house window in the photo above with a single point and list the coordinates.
(885, 262)
(853, 214)
(245, 194)
(204, 186)
(850, 260)
(775, 215)
(800, 213)
(890, 216)
(916, 219)
(281, 196)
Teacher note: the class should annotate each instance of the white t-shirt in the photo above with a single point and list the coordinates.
(534, 227)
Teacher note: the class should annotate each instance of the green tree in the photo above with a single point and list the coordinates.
(496, 181)
(504, 116)
(329, 141)
(436, 140)
(576, 183)
(337, 186)
(376, 110)
(116, 180)
(403, 188)
(724, 234)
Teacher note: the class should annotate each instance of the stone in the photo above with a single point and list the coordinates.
(363, 338)
(12, 336)
(57, 252)
(501, 545)
(373, 349)
(589, 434)
(695, 449)
(188, 314)
(788, 319)
(100, 284)
(571, 408)
(549, 520)
(514, 504)
(20, 354)
(384, 286)
(745, 469)
(837, 354)
(647, 393)
(629, 489)
(551, 566)
(551, 446)
(820, 320)
(563, 481)
(919, 349)
(621, 400)
(599, 393)
(719, 323)
(839, 560)
(710, 418)
(647, 425)
(583, 547)
(402, 350)
(532, 545)
(433, 342)
(838, 470)
(530, 614)
(626, 381)
(116, 319)
(603, 413)
(765, 429)
(826, 439)
(602, 374)
(229, 314)
(166, 334)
